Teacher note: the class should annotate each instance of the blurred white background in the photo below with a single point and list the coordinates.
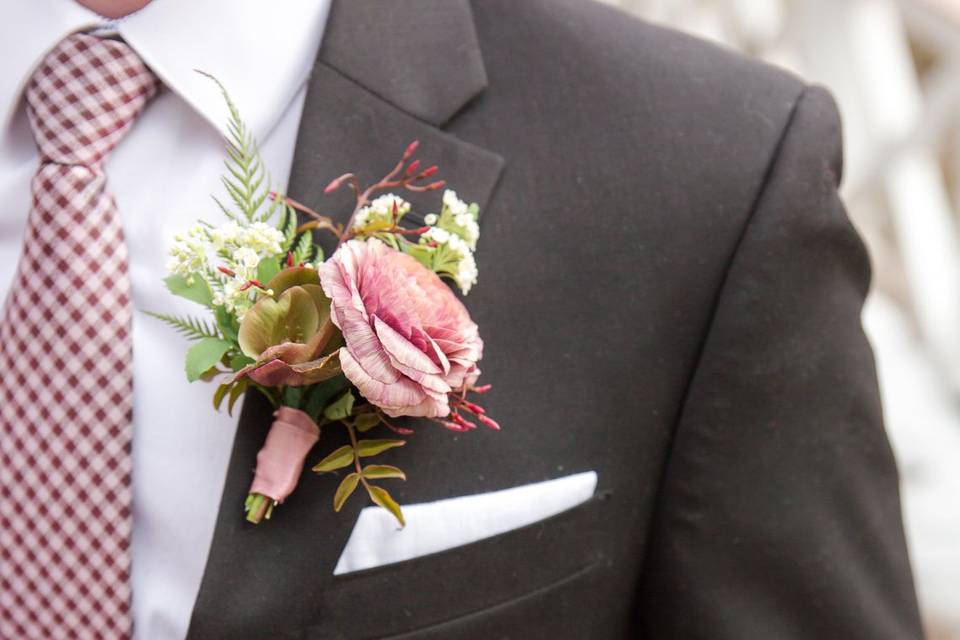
(894, 67)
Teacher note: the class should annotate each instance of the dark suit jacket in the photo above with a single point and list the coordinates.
(670, 294)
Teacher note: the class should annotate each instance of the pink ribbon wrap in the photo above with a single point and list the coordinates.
(280, 461)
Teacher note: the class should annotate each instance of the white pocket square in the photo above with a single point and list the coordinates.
(376, 539)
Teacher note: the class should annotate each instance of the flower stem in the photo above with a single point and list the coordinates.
(259, 507)
(356, 457)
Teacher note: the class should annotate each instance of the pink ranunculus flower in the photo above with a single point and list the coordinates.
(409, 340)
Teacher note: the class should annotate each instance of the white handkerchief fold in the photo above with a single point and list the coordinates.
(377, 540)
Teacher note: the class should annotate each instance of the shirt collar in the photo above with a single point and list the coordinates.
(261, 52)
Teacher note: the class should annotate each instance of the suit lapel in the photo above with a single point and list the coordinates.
(421, 56)
(386, 74)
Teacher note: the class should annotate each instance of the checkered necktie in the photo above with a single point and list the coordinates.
(66, 382)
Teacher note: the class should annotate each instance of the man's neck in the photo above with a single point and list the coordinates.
(114, 8)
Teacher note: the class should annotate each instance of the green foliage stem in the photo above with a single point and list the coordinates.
(189, 327)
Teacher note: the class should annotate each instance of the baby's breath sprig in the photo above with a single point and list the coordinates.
(448, 246)
(445, 243)
(225, 266)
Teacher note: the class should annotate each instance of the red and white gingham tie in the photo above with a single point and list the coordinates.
(66, 382)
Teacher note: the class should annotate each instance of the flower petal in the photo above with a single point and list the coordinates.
(365, 346)
(401, 350)
(393, 398)
(409, 341)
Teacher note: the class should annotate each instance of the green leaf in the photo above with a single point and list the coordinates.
(346, 488)
(194, 288)
(336, 460)
(293, 317)
(260, 328)
(210, 374)
(292, 277)
(235, 394)
(424, 254)
(227, 322)
(268, 269)
(383, 498)
(341, 408)
(320, 301)
(334, 345)
(239, 361)
(366, 421)
(278, 372)
(321, 393)
(220, 394)
(303, 318)
(367, 448)
(204, 355)
(377, 471)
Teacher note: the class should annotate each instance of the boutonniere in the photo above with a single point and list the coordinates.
(359, 339)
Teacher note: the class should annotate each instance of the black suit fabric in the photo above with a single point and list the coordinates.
(670, 295)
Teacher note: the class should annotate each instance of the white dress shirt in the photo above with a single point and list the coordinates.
(162, 176)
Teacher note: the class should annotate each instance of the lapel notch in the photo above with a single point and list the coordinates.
(389, 73)
(421, 56)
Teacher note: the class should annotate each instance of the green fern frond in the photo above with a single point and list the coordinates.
(270, 211)
(236, 174)
(303, 251)
(215, 280)
(246, 181)
(189, 327)
(237, 193)
(226, 210)
(290, 225)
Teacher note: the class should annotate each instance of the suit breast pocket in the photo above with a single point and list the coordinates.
(546, 567)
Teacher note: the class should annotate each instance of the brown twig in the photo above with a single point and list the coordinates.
(397, 177)
(319, 221)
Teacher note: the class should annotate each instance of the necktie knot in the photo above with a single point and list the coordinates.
(84, 96)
